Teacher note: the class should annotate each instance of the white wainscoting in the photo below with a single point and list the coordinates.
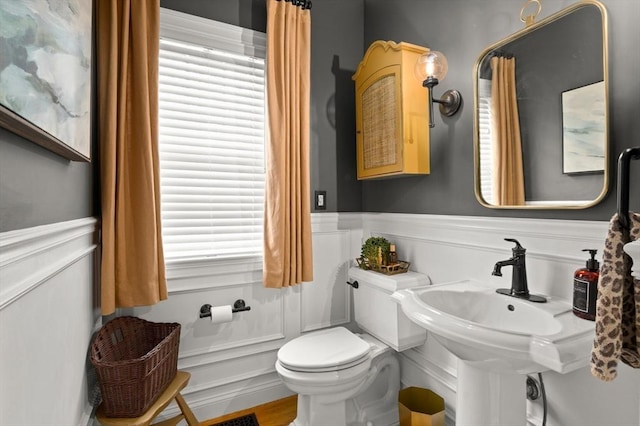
(450, 248)
(48, 313)
(233, 364)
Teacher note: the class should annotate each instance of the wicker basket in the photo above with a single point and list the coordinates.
(135, 360)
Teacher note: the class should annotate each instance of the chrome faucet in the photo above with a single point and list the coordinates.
(519, 287)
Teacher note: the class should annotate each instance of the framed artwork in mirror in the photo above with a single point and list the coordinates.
(583, 129)
(45, 74)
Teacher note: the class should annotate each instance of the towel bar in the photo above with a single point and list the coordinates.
(623, 183)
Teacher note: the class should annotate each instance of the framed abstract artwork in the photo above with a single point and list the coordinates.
(45, 74)
(583, 129)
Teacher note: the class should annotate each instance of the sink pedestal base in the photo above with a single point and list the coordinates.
(485, 397)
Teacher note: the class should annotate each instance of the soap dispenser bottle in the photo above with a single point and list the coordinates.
(585, 288)
(393, 255)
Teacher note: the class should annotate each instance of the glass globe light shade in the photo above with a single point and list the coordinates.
(431, 64)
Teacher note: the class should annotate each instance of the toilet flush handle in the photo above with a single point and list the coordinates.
(353, 284)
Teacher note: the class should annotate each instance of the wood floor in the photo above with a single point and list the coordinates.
(275, 413)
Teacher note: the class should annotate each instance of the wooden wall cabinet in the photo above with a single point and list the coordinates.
(392, 114)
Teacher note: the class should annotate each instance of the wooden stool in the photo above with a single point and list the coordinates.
(170, 393)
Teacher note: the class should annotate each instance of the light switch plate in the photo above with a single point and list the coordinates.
(321, 200)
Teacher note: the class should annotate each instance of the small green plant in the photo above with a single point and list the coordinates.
(369, 251)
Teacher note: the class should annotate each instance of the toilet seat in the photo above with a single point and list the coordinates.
(333, 349)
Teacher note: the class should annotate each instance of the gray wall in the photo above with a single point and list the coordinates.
(337, 46)
(38, 187)
(462, 29)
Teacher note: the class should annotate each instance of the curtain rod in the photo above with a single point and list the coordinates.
(305, 4)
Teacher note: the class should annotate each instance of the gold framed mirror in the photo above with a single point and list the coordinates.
(541, 115)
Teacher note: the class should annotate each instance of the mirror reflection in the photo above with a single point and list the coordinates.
(541, 115)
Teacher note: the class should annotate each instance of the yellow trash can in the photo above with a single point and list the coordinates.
(420, 407)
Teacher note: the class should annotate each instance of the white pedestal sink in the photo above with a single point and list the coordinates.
(633, 250)
(498, 340)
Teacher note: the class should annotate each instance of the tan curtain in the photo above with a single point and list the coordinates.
(508, 173)
(287, 221)
(133, 271)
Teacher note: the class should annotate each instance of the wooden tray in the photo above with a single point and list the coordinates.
(397, 268)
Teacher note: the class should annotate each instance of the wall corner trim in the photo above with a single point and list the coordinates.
(31, 256)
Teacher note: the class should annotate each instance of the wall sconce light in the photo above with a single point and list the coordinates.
(431, 68)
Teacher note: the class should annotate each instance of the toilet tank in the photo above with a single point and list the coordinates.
(378, 314)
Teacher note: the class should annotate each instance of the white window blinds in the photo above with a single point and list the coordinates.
(485, 139)
(211, 122)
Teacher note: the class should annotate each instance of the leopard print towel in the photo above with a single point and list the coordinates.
(618, 304)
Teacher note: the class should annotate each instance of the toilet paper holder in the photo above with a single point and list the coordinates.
(238, 306)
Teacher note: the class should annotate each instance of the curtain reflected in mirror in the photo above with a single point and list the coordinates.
(508, 178)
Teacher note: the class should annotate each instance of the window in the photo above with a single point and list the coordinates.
(485, 139)
(211, 127)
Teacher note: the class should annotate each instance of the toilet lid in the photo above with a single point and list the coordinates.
(326, 350)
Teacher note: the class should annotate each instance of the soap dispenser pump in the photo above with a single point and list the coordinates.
(585, 288)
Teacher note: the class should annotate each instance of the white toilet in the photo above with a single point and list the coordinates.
(343, 378)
